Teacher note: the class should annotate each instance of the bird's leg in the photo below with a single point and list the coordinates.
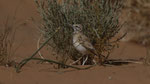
(76, 61)
(84, 61)
(94, 62)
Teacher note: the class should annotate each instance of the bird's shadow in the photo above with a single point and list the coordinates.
(107, 63)
(120, 62)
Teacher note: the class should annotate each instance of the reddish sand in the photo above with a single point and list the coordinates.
(32, 73)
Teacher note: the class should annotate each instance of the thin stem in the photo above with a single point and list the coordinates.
(23, 62)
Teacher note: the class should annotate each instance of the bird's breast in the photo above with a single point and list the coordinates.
(78, 45)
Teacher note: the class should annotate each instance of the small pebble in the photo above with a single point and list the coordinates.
(109, 77)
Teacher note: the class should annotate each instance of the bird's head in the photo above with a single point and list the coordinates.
(77, 27)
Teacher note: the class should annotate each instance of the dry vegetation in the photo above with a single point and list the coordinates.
(138, 24)
(138, 21)
(7, 34)
(100, 20)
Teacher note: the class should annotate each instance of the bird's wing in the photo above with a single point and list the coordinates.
(87, 44)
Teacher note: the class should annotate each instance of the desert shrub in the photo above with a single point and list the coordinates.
(100, 20)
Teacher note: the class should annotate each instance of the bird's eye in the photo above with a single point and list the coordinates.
(77, 26)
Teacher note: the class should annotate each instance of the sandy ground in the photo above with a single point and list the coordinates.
(32, 73)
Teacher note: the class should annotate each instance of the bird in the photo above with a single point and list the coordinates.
(82, 43)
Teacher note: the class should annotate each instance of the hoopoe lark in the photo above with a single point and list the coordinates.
(82, 43)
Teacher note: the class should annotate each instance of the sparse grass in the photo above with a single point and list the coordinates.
(7, 34)
(4, 46)
(7, 38)
(100, 20)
